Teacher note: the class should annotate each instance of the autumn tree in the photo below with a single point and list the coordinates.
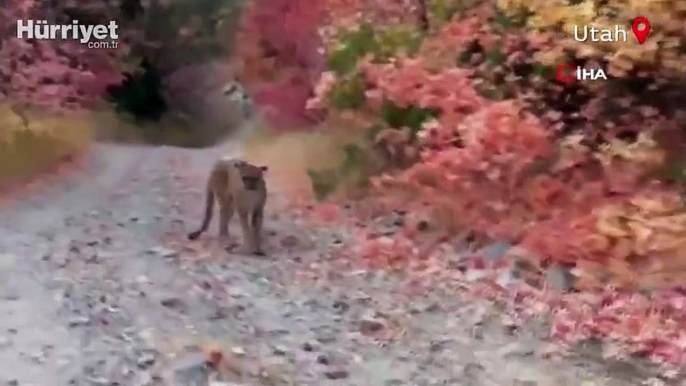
(61, 75)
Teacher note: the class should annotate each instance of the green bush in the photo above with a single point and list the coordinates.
(348, 94)
(382, 45)
(412, 116)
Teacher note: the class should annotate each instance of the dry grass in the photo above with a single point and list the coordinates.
(289, 155)
(35, 142)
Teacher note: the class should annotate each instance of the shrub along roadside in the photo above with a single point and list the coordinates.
(588, 176)
(32, 143)
(503, 147)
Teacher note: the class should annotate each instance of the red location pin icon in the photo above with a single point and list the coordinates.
(641, 29)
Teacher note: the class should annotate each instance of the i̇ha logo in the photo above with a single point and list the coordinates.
(94, 36)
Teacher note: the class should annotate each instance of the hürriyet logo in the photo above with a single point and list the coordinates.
(94, 36)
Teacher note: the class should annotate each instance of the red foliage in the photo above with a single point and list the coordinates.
(512, 170)
(279, 50)
(411, 84)
(651, 326)
(55, 74)
(349, 13)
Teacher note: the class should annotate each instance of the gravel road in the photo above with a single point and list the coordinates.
(98, 287)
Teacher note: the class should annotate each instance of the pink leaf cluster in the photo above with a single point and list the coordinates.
(501, 171)
(651, 326)
(409, 83)
(497, 168)
(60, 75)
(342, 14)
(386, 251)
(280, 51)
(497, 144)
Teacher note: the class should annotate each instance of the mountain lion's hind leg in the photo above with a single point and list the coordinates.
(225, 215)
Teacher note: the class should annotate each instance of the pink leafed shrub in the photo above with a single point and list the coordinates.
(507, 155)
(278, 48)
(60, 75)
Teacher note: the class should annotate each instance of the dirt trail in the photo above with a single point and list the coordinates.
(93, 292)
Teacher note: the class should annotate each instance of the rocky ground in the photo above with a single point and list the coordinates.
(99, 288)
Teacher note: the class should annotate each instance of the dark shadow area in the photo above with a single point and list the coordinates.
(140, 94)
(167, 94)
